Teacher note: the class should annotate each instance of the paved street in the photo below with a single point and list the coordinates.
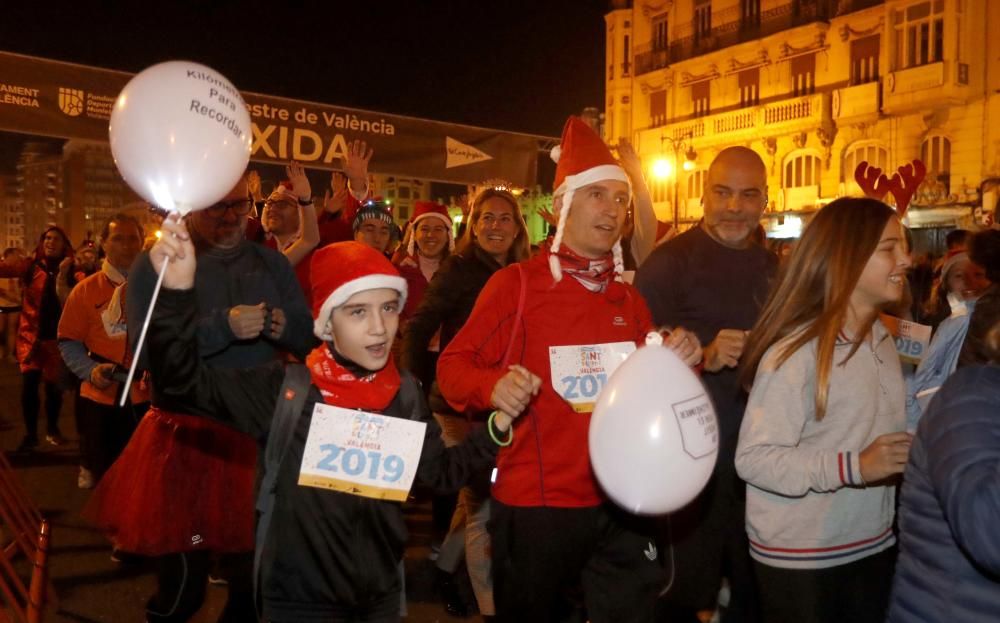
(92, 588)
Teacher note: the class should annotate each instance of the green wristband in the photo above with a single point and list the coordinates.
(489, 428)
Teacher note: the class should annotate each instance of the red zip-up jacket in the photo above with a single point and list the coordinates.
(548, 463)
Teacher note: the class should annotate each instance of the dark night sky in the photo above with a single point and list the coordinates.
(520, 65)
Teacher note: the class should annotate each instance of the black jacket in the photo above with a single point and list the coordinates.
(327, 553)
(447, 303)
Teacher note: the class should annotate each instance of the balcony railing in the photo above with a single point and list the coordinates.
(764, 120)
(730, 30)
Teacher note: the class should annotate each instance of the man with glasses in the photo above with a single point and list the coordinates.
(251, 311)
(712, 279)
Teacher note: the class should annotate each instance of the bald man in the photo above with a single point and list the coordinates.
(713, 280)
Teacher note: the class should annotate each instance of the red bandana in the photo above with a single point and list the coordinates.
(341, 388)
(592, 274)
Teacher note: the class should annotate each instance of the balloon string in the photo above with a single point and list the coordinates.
(142, 334)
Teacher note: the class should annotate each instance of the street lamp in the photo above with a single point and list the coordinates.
(664, 168)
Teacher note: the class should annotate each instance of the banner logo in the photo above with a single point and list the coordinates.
(460, 154)
(71, 101)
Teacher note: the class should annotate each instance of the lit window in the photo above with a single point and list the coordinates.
(801, 171)
(864, 59)
(660, 32)
(919, 30)
(874, 154)
(657, 108)
(696, 184)
(700, 98)
(936, 154)
(803, 75)
(749, 80)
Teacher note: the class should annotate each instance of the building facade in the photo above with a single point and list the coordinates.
(11, 215)
(76, 187)
(815, 87)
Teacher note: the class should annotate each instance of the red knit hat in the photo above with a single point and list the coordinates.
(341, 270)
(582, 158)
(429, 209)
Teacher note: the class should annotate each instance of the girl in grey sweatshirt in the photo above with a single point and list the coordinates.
(824, 429)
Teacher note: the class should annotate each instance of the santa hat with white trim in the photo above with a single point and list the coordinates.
(429, 209)
(341, 270)
(581, 158)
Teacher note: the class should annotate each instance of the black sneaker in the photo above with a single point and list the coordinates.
(453, 602)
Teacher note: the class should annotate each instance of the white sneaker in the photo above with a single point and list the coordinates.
(85, 480)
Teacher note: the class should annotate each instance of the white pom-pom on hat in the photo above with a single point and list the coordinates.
(555, 153)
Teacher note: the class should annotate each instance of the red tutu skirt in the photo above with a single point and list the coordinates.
(183, 483)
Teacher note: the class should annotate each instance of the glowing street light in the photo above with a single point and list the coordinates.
(662, 169)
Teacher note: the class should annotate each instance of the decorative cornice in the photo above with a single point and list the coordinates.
(655, 8)
(688, 78)
(760, 60)
(648, 87)
(846, 32)
(818, 44)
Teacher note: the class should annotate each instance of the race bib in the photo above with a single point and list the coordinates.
(579, 373)
(912, 339)
(364, 454)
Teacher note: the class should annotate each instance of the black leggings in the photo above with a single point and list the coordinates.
(30, 404)
(181, 582)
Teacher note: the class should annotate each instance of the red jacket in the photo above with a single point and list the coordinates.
(33, 275)
(548, 463)
(416, 284)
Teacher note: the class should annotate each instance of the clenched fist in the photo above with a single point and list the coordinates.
(247, 321)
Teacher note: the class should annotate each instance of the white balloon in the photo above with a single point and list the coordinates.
(180, 135)
(654, 437)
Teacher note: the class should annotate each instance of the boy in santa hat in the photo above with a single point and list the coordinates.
(533, 325)
(362, 436)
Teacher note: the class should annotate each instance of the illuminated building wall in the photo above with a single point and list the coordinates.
(814, 86)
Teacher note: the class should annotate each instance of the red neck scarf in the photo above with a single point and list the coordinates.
(342, 388)
(595, 275)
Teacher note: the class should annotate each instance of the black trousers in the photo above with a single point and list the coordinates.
(542, 555)
(104, 432)
(181, 582)
(857, 592)
(704, 542)
(30, 404)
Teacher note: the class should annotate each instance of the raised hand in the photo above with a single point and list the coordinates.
(629, 159)
(356, 163)
(253, 186)
(300, 183)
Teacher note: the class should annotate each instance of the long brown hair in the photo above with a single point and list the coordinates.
(520, 249)
(813, 294)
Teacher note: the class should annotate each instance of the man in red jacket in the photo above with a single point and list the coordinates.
(542, 339)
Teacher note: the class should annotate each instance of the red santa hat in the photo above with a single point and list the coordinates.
(283, 192)
(581, 158)
(429, 209)
(341, 270)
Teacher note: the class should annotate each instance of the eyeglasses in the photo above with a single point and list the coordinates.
(240, 207)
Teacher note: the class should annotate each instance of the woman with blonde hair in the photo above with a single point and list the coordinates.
(824, 430)
(496, 236)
